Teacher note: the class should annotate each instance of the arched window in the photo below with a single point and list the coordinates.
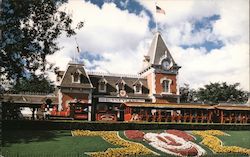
(138, 88)
(166, 85)
(102, 85)
(121, 86)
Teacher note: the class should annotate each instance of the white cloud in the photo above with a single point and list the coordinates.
(234, 23)
(108, 31)
(123, 38)
(199, 68)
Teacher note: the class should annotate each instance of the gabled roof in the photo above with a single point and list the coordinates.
(158, 50)
(138, 81)
(67, 77)
(113, 80)
(29, 99)
(103, 80)
(121, 80)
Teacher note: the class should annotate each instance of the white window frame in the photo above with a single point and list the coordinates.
(140, 91)
(79, 78)
(123, 87)
(169, 85)
(73, 80)
(99, 87)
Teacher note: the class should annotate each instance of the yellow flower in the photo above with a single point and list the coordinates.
(215, 143)
(128, 148)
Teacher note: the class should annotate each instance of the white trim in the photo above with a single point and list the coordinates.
(73, 80)
(156, 41)
(119, 100)
(99, 87)
(90, 97)
(162, 58)
(89, 113)
(140, 91)
(117, 86)
(79, 72)
(60, 96)
(144, 74)
(169, 85)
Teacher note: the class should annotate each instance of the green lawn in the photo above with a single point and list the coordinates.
(62, 144)
(236, 138)
(50, 144)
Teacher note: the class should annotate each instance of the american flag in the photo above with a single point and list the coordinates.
(159, 10)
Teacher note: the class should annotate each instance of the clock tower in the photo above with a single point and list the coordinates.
(161, 72)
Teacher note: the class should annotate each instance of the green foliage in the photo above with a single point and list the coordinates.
(50, 144)
(110, 126)
(29, 32)
(216, 92)
(186, 94)
(34, 84)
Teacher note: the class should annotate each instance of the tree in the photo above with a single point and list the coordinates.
(186, 94)
(34, 84)
(216, 92)
(29, 32)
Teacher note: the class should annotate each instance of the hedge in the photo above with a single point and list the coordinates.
(85, 125)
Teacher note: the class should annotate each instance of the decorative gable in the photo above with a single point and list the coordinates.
(102, 85)
(75, 77)
(137, 87)
(120, 84)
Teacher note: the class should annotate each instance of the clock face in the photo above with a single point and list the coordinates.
(166, 64)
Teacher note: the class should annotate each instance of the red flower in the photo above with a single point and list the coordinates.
(134, 134)
(181, 134)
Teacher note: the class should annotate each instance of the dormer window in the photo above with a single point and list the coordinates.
(102, 86)
(120, 85)
(76, 78)
(166, 85)
(138, 87)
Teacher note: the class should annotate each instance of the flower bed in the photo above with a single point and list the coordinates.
(214, 143)
(134, 134)
(174, 145)
(128, 148)
(181, 134)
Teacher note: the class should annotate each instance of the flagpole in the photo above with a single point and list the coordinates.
(77, 49)
(156, 24)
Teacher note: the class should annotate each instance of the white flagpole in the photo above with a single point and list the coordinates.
(77, 49)
(156, 23)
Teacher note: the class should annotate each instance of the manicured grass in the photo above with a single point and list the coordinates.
(237, 138)
(50, 144)
(62, 144)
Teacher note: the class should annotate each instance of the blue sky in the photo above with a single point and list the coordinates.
(209, 38)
